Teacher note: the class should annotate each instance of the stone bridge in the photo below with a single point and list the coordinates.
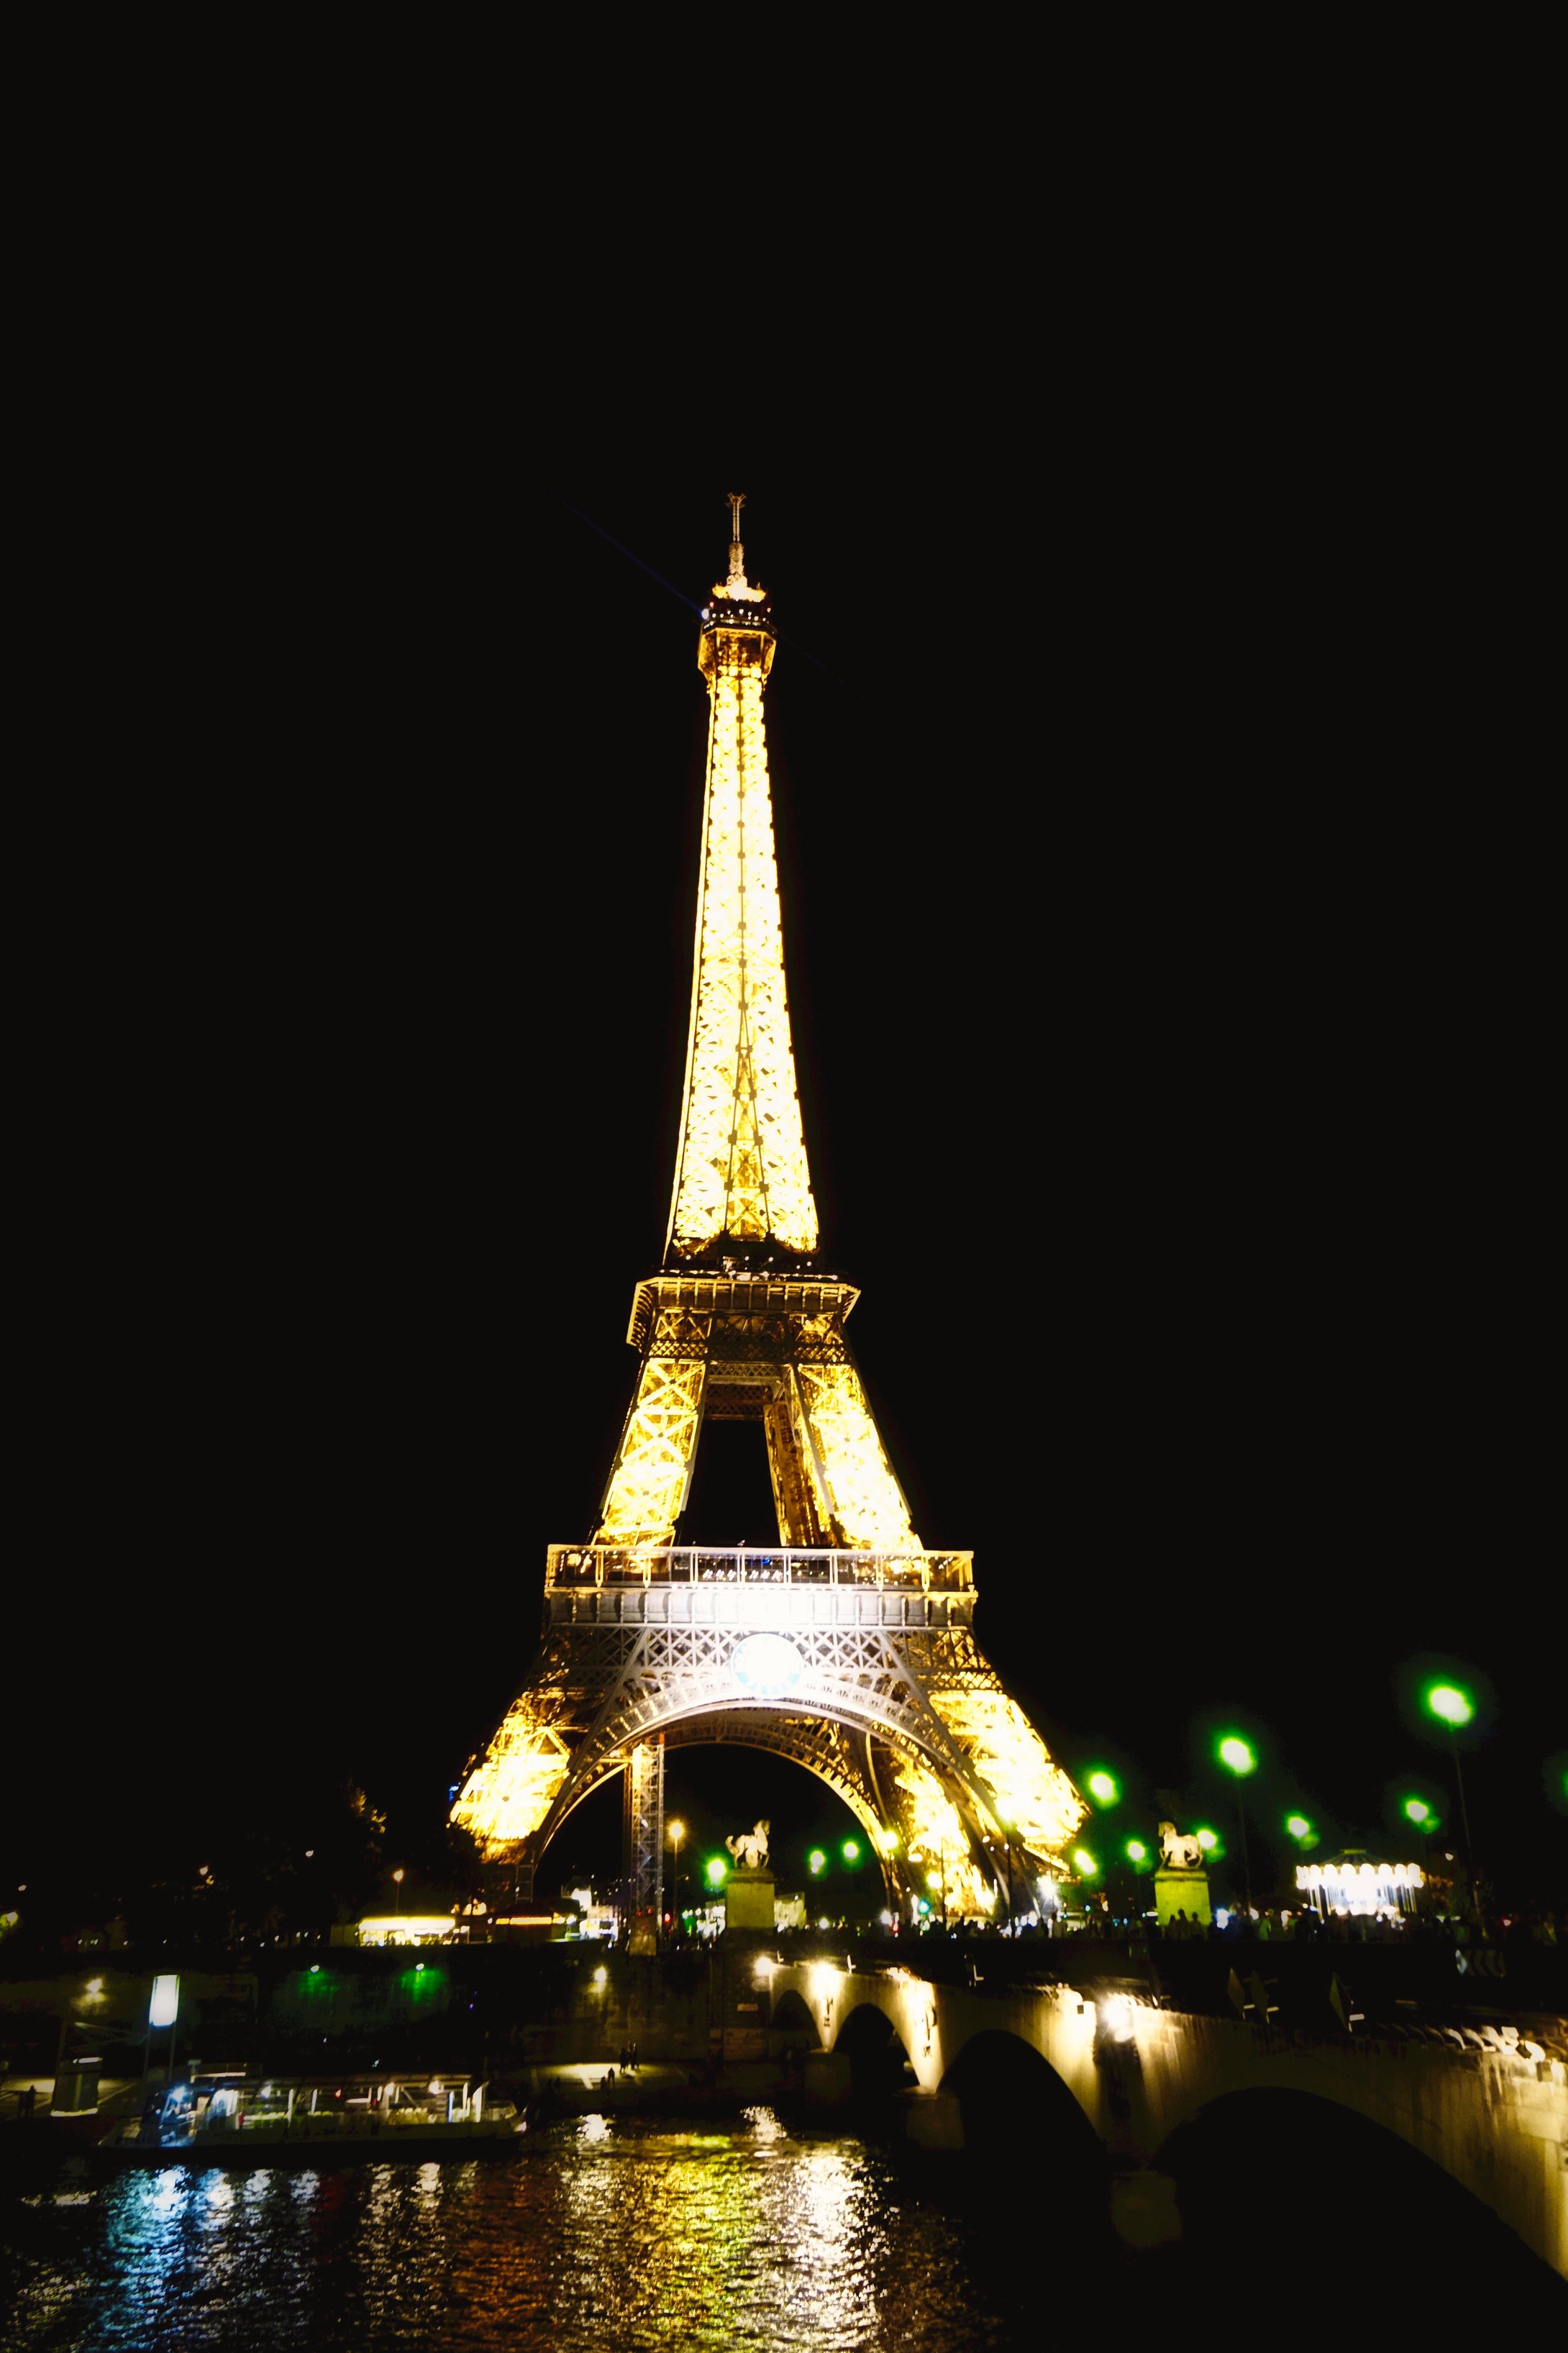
(1494, 2118)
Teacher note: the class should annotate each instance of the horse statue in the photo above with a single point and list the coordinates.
(1178, 1851)
(750, 1849)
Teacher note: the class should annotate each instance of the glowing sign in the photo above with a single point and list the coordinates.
(165, 2006)
(767, 1664)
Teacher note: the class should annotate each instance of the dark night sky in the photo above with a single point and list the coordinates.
(1168, 1025)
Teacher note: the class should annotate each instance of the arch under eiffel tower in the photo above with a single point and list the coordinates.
(849, 1646)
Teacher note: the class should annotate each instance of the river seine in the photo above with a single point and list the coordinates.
(638, 2232)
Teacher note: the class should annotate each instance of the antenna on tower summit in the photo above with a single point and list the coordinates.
(736, 584)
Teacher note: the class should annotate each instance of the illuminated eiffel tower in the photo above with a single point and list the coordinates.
(849, 1646)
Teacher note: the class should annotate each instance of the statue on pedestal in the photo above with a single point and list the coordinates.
(749, 1891)
(1181, 1886)
(750, 1849)
(1177, 1851)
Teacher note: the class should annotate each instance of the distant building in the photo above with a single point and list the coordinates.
(404, 1928)
(1352, 1882)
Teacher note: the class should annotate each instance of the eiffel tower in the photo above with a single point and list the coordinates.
(848, 1646)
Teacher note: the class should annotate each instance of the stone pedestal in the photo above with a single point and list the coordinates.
(934, 2120)
(826, 2079)
(749, 1900)
(1181, 1891)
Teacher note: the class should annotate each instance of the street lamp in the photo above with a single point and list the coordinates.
(1136, 1850)
(1102, 1788)
(1005, 1823)
(816, 1863)
(398, 1883)
(1300, 1828)
(676, 1834)
(1452, 1707)
(1237, 1756)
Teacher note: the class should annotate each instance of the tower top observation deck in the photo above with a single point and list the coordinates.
(737, 605)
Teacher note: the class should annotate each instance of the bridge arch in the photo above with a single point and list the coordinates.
(1269, 2176)
(1015, 2103)
(879, 2060)
(791, 2016)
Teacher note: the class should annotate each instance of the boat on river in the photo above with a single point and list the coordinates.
(232, 2119)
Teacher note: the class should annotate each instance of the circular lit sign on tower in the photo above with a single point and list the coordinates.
(767, 1665)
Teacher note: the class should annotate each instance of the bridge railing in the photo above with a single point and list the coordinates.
(1411, 1988)
(911, 1572)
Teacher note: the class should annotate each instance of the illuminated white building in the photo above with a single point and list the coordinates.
(1352, 1882)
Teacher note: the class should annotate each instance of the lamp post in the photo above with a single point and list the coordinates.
(398, 1885)
(1452, 1707)
(885, 1840)
(1237, 1755)
(1006, 1822)
(676, 1834)
(1088, 1867)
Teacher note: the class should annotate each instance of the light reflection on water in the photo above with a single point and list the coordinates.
(632, 2233)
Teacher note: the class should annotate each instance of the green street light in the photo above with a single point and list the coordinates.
(1298, 1826)
(1136, 1850)
(851, 1850)
(1102, 1788)
(818, 1860)
(1238, 1755)
(1085, 1863)
(717, 1868)
(1417, 1810)
(1452, 1707)
(1208, 1841)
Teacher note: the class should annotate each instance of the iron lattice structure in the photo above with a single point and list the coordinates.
(849, 1649)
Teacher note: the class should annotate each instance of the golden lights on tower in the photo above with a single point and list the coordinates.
(741, 1170)
(738, 1324)
(512, 1788)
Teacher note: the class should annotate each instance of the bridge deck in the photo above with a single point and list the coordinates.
(1144, 2048)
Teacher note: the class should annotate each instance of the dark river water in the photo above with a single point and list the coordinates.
(631, 2233)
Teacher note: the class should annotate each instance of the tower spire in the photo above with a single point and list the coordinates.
(737, 580)
(741, 1175)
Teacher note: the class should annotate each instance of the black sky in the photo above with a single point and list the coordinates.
(1170, 1039)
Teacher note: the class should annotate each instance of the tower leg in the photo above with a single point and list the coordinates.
(642, 1845)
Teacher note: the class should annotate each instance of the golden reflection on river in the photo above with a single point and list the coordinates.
(625, 2235)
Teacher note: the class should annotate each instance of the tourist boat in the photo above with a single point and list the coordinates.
(232, 2119)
